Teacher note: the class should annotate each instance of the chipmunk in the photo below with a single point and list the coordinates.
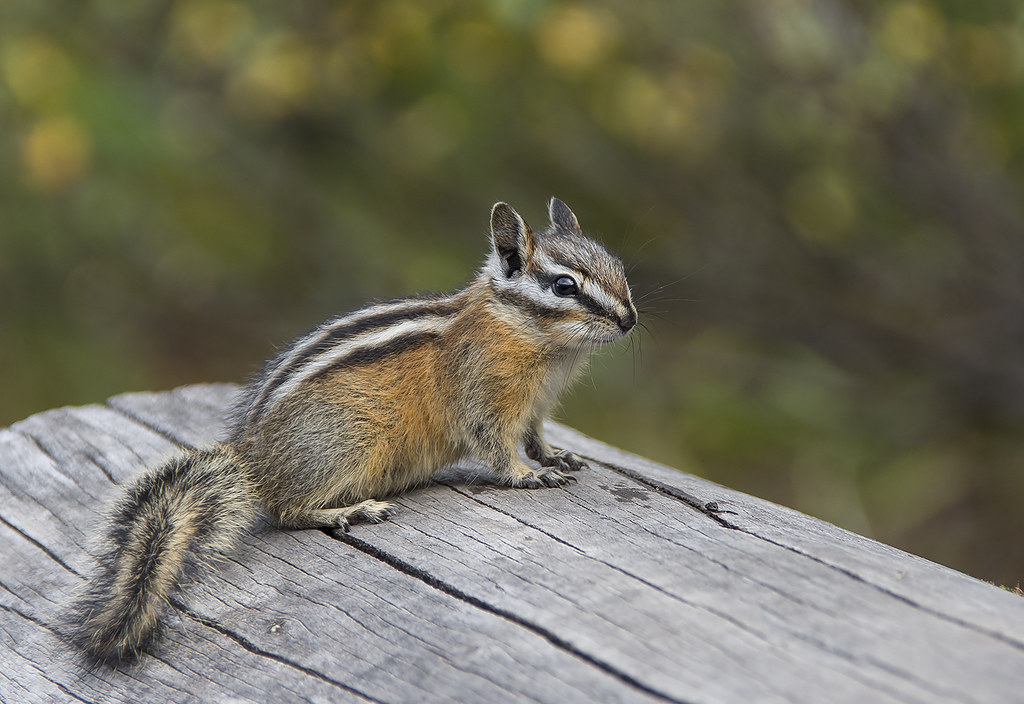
(365, 406)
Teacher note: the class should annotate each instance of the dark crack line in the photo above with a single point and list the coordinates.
(899, 597)
(560, 643)
(251, 647)
(59, 636)
(61, 686)
(39, 445)
(684, 496)
(58, 466)
(52, 555)
(178, 442)
(32, 619)
(91, 455)
(843, 656)
(699, 505)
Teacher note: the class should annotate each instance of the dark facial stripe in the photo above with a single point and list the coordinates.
(592, 305)
(538, 310)
(339, 334)
(526, 303)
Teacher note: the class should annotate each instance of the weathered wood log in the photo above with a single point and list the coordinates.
(631, 585)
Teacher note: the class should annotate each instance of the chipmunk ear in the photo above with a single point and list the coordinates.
(511, 238)
(562, 217)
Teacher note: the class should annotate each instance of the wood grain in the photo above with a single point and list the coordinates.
(622, 587)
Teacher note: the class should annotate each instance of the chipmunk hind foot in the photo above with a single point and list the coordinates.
(369, 511)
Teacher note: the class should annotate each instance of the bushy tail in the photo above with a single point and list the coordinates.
(174, 523)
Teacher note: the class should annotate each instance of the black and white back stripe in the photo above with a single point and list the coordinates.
(360, 337)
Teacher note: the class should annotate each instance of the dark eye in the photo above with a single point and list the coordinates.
(564, 286)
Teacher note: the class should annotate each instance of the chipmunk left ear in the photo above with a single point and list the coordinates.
(511, 238)
(562, 217)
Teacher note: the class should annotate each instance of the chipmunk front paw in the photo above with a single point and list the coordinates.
(539, 478)
(564, 461)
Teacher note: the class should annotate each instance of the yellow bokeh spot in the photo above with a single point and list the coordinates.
(276, 79)
(913, 32)
(986, 54)
(37, 70)
(56, 153)
(576, 38)
(208, 30)
(401, 37)
(652, 114)
(821, 206)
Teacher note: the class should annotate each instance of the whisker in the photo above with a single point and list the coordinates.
(662, 287)
(635, 256)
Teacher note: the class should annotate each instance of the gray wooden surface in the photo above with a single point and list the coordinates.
(622, 588)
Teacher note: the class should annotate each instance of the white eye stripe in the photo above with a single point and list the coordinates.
(545, 263)
(602, 298)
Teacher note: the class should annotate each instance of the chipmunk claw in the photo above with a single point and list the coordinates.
(370, 511)
(540, 478)
(565, 461)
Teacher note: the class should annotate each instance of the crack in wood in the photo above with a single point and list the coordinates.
(92, 457)
(22, 614)
(432, 581)
(57, 465)
(1019, 645)
(845, 656)
(711, 509)
(701, 506)
(49, 553)
(62, 687)
(252, 648)
(149, 426)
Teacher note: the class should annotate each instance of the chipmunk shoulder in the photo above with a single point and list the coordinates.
(366, 406)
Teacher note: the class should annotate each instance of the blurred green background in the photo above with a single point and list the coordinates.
(820, 202)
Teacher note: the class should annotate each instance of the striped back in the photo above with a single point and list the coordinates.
(361, 337)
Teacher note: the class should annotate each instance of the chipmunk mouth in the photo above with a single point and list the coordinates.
(611, 334)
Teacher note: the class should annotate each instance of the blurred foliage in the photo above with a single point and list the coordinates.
(821, 203)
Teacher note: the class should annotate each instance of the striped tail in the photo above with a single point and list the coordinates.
(176, 522)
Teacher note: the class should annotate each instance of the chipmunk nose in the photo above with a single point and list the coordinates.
(627, 322)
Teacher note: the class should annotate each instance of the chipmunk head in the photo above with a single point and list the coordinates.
(557, 282)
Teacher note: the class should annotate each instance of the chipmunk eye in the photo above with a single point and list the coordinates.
(564, 286)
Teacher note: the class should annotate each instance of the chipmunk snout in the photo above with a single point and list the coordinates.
(627, 321)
